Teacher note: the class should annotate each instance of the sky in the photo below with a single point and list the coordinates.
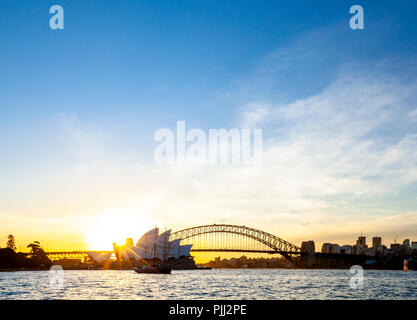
(79, 108)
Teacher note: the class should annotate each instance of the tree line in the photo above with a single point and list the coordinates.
(11, 259)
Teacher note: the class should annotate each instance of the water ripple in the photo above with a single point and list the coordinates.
(210, 284)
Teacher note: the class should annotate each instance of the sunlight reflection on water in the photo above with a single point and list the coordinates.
(210, 284)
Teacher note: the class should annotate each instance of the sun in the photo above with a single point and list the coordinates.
(112, 227)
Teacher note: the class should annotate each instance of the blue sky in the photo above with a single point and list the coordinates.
(79, 107)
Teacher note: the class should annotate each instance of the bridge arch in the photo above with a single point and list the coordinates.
(276, 244)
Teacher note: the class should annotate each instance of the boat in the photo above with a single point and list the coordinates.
(154, 253)
(161, 269)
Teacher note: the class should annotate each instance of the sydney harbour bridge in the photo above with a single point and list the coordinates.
(219, 238)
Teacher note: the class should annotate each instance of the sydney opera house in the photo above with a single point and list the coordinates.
(150, 246)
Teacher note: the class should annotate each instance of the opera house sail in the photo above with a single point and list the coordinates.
(151, 245)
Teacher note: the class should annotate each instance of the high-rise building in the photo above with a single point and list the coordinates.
(414, 245)
(308, 246)
(406, 244)
(334, 248)
(346, 249)
(381, 250)
(330, 248)
(356, 249)
(376, 242)
(325, 248)
(396, 247)
(361, 241)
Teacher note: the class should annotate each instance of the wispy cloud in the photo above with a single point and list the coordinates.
(352, 138)
(331, 148)
(325, 155)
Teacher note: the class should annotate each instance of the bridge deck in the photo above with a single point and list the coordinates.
(248, 251)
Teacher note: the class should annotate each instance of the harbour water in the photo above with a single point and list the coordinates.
(209, 284)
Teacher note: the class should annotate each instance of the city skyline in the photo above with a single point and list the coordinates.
(205, 248)
(363, 241)
(80, 107)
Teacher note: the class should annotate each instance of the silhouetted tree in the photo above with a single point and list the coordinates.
(38, 256)
(10, 242)
(9, 259)
(35, 248)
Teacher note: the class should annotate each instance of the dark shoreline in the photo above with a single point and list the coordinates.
(126, 269)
